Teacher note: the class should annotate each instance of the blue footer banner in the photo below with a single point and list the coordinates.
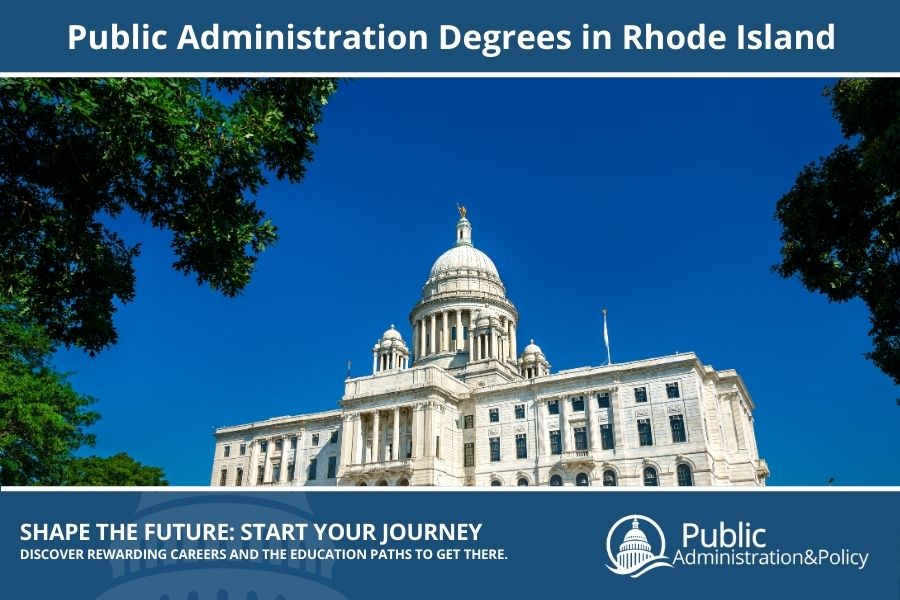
(187, 545)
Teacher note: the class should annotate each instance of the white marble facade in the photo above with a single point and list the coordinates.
(463, 408)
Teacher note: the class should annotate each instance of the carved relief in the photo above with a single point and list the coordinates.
(520, 428)
(494, 431)
(642, 412)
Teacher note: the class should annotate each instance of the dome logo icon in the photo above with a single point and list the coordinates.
(635, 556)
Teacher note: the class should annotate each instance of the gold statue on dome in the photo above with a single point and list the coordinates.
(462, 210)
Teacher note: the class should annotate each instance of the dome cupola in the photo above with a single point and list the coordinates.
(390, 352)
(533, 363)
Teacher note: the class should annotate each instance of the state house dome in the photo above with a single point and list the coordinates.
(464, 258)
(464, 270)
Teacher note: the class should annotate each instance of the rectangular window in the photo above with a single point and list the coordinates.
(606, 437)
(520, 411)
(294, 443)
(676, 422)
(640, 394)
(243, 450)
(223, 477)
(453, 333)
(645, 433)
(468, 421)
(553, 407)
(239, 478)
(580, 438)
(495, 449)
(279, 444)
(469, 454)
(578, 404)
(311, 472)
(465, 332)
(276, 472)
(409, 448)
(521, 446)
(260, 471)
(672, 390)
(494, 415)
(290, 472)
(315, 439)
(437, 446)
(603, 400)
(334, 436)
(555, 443)
(332, 467)
(227, 451)
(263, 446)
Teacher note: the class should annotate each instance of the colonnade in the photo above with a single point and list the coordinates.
(390, 434)
(384, 361)
(434, 334)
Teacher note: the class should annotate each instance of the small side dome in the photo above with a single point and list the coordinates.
(391, 334)
(532, 348)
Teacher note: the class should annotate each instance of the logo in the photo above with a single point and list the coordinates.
(635, 556)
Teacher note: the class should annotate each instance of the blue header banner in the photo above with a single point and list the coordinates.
(401, 36)
(238, 545)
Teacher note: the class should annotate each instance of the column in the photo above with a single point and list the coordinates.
(564, 423)
(395, 443)
(457, 345)
(429, 431)
(541, 422)
(432, 345)
(593, 430)
(285, 454)
(374, 362)
(512, 340)
(423, 346)
(417, 428)
(375, 432)
(415, 340)
(470, 342)
(616, 418)
(445, 332)
(254, 458)
(359, 440)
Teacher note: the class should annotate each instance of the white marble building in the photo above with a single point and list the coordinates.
(464, 408)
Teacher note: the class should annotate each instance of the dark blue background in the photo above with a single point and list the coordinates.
(555, 542)
(34, 35)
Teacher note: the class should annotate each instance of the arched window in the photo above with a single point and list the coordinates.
(582, 480)
(556, 480)
(403, 481)
(650, 478)
(523, 482)
(495, 483)
(382, 482)
(609, 478)
(685, 477)
(361, 484)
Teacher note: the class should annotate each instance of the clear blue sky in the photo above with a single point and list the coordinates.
(654, 198)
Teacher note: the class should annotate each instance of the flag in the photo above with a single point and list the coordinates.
(606, 338)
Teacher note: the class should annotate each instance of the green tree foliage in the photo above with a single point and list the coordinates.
(187, 155)
(42, 419)
(120, 469)
(841, 219)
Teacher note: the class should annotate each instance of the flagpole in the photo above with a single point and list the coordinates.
(606, 339)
